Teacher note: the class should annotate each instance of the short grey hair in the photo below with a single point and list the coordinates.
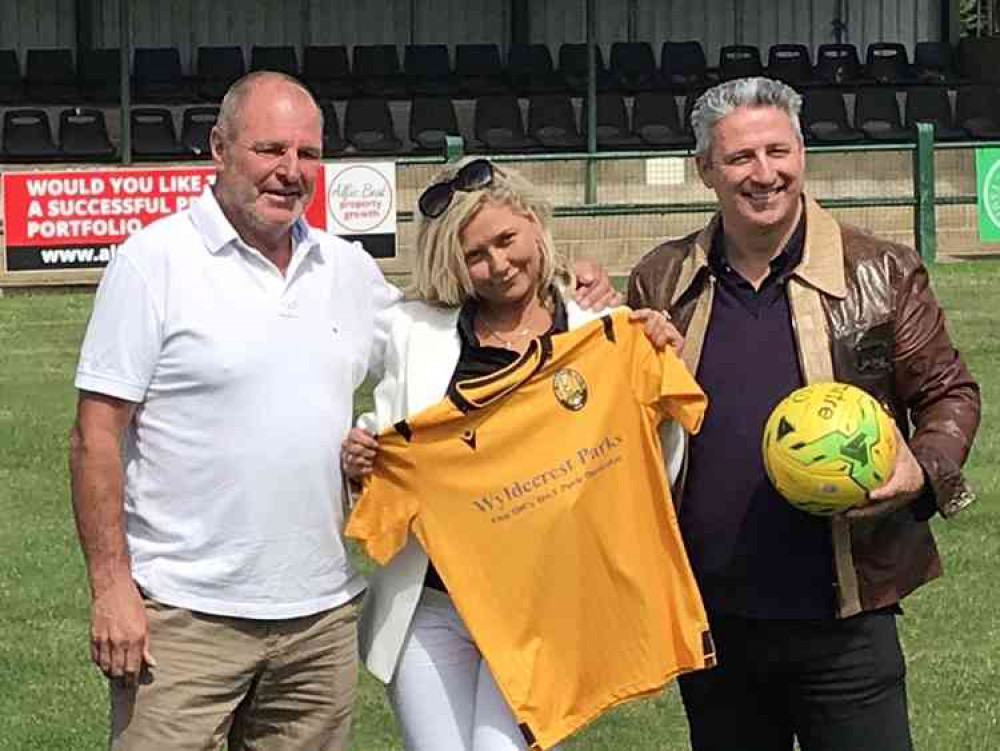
(232, 103)
(720, 100)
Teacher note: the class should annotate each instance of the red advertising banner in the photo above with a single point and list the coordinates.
(76, 219)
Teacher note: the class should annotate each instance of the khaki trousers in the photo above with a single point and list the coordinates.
(258, 685)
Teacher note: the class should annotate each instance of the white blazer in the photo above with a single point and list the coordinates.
(420, 359)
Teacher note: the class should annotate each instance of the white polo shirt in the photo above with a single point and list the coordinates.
(244, 380)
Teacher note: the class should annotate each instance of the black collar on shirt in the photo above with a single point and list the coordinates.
(782, 265)
(467, 319)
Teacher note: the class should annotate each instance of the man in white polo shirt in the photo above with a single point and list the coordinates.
(216, 382)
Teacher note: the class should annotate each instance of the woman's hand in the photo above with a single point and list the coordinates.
(658, 328)
(357, 453)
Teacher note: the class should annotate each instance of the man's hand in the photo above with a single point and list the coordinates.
(119, 632)
(658, 329)
(904, 486)
(593, 286)
(357, 453)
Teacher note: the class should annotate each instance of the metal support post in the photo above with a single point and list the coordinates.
(925, 222)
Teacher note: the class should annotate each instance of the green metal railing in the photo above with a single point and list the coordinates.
(923, 198)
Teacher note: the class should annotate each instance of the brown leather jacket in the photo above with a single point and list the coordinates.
(863, 313)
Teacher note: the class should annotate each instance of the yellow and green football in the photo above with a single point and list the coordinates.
(827, 445)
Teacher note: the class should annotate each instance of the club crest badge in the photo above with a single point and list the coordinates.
(570, 389)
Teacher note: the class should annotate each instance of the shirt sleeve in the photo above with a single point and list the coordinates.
(384, 298)
(663, 383)
(124, 336)
(382, 516)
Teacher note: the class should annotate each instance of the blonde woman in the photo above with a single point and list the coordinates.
(488, 280)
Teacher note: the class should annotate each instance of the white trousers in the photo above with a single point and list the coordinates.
(443, 693)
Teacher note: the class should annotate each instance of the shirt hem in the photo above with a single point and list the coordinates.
(109, 387)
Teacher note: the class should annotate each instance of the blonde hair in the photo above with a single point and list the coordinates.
(441, 276)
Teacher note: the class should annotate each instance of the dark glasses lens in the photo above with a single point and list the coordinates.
(475, 175)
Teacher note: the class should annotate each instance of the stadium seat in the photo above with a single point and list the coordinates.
(158, 76)
(498, 124)
(50, 76)
(327, 72)
(930, 104)
(977, 110)
(377, 73)
(552, 122)
(838, 64)
(428, 70)
(888, 64)
(333, 140)
(573, 68)
(196, 126)
(368, 127)
(479, 69)
(100, 75)
(876, 114)
(530, 70)
(280, 58)
(431, 119)
(11, 82)
(153, 134)
(683, 65)
(633, 67)
(739, 61)
(27, 137)
(934, 63)
(83, 134)
(790, 63)
(613, 128)
(824, 118)
(217, 69)
(655, 121)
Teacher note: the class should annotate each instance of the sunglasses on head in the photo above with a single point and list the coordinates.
(475, 175)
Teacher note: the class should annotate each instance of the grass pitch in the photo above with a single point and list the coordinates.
(52, 699)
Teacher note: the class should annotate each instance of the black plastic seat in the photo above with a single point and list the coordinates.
(552, 122)
(218, 68)
(614, 131)
(368, 127)
(934, 63)
(158, 75)
(327, 72)
(428, 70)
(333, 139)
(739, 61)
(27, 136)
(876, 114)
(655, 120)
(790, 63)
(683, 65)
(154, 135)
(431, 120)
(633, 67)
(280, 58)
(887, 63)
(100, 75)
(977, 110)
(11, 82)
(824, 118)
(498, 124)
(376, 71)
(930, 104)
(530, 69)
(573, 68)
(838, 64)
(50, 76)
(196, 127)
(83, 134)
(479, 70)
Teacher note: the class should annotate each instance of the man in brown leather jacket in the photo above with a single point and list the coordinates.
(772, 294)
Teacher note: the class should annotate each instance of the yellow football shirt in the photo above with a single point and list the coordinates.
(539, 494)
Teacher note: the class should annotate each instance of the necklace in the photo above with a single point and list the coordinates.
(514, 335)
